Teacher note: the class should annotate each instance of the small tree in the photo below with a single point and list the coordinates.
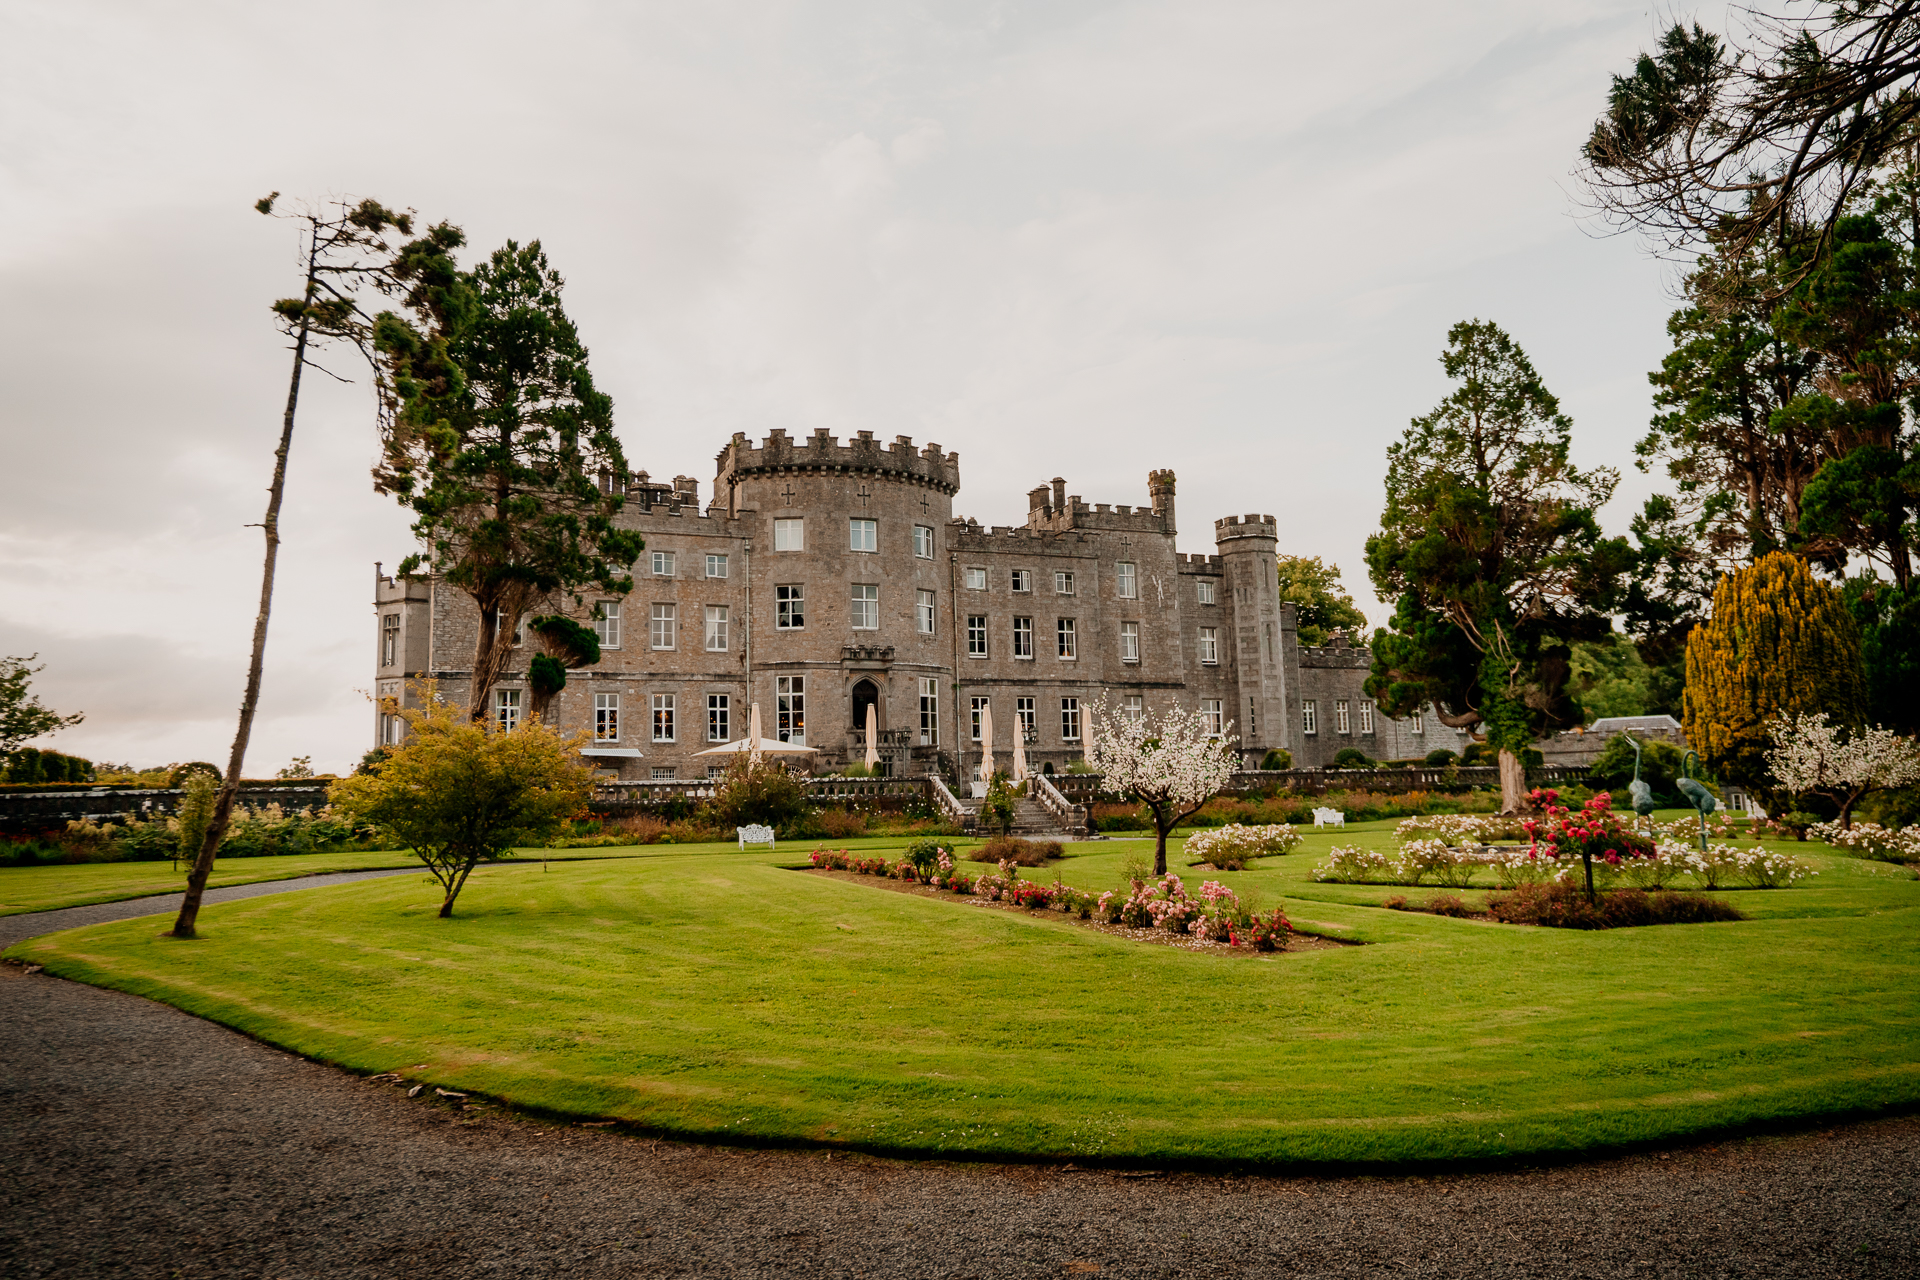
(567, 646)
(999, 807)
(1811, 755)
(21, 714)
(1169, 762)
(1320, 599)
(456, 792)
(1780, 642)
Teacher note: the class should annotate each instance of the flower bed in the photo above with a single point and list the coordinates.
(1213, 915)
(1871, 840)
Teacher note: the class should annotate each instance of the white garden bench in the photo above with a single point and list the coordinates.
(1329, 818)
(754, 835)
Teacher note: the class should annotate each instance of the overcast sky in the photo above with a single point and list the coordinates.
(1077, 239)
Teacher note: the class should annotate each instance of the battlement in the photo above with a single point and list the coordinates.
(1248, 526)
(1198, 563)
(862, 455)
(1340, 651)
(969, 534)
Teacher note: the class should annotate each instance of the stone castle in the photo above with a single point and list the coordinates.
(823, 578)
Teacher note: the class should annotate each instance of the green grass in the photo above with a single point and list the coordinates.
(714, 995)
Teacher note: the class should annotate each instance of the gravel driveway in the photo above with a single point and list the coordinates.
(140, 1142)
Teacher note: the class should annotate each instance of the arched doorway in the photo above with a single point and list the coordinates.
(865, 694)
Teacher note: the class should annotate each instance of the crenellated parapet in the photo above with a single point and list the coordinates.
(778, 454)
(1199, 564)
(1229, 528)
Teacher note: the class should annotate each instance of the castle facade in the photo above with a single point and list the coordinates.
(823, 578)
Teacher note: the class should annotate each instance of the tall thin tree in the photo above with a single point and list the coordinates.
(345, 253)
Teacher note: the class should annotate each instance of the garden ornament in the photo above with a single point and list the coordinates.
(1640, 792)
(1697, 795)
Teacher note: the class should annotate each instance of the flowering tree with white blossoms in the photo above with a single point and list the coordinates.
(1170, 762)
(1812, 755)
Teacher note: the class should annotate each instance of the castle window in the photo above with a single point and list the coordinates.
(789, 608)
(1023, 715)
(664, 773)
(929, 711)
(1205, 588)
(1062, 584)
(1366, 716)
(606, 717)
(716, 628)
(606, 623)
(1064, 638)
(1069, 719)
(864, 608)
(1134, 707)
(392, 729)
(863, 535)
(1023, 637)
(506, 709)
(923, 542)
(1419, 724)
(789, 535)
(974, 707)
(976, 578)
(976, 635)
(1126, 581)
(389, 639)
(719, 712)
(663, 717)
(1129, 642)
(790, 709)
(1022, 579)
(1309, 716)
(1210, 646)
(1269, 632)
(663, 564)
(662, 626)
(923, 602)
(716, 566)
(1341, 723)
(1215, 716)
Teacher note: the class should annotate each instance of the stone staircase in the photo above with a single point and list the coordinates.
(1032, 820)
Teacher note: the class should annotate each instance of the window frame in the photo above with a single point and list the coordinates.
(923, 542)
(1063, 582)
(1342, 716)
(1021, 581)
(1126, 579)
(389, 639)
(975, 705)
(790, 710)
(974, 577)
(606, 626)
(1069, 719)
(1130, 642)
(1018, 632)
(1206, 591)
(863, 529)
(606, 717)
(929, 710)
(789, 533)
(1026, 717)
(710, 629)
(863, 606)
(977, 635)
(926, 611)
(720, 717)
(665, 713)
(661, 563)
(659, 612)
(507, 706)
(789, 606)
(1310, 717)
(1366, 716)
(1209, 646)
(1214, 711)
(717, 559)
(1066, 640)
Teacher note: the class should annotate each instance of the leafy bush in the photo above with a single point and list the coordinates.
(840, 824)
(1447, 904)
(1277, 759)
(998, 809)
(1871, 840)
(1439, 758)
(1561, 906)
(1233, 847)
(1352, 758)
(1024, 853)
(191, 769)
(29, 765)
(762, 794)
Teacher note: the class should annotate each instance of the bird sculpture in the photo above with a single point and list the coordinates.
(1697, 795)
(1640, 792)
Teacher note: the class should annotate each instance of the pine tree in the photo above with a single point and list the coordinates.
(1779, 642)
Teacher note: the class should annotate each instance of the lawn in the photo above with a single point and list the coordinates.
(709, 994)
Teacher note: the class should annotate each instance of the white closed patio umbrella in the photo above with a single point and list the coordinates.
(873, 737)
(986, 745)
(753, 734)
(1019, 752)
(1086, 734)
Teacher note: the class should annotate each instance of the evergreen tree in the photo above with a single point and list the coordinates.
(1780, 642)
(1489, 545)
(502, 446)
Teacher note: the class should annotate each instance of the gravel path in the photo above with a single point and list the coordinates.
(140, 1142)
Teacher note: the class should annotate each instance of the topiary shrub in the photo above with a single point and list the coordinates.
(1352, 758)
(1277, 759)
(1440, 758)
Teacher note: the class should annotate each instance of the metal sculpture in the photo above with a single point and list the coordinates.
(1640, 792)
(1697, 795)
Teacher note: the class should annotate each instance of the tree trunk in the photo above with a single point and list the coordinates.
(1160, 827)
(184, 924)
(1513, 783)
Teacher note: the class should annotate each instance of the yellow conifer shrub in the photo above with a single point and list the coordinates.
(1779, 641)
